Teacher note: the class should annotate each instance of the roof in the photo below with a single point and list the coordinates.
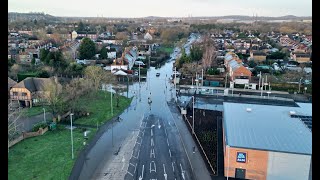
(120, 73)
(11, 83)
(267, 127)
(33, 84)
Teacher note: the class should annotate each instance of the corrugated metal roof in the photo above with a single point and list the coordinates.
(267, 127)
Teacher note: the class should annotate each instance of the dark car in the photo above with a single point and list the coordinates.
(158, 74)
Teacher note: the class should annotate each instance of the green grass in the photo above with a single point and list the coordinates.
(99, 106)
(47, 156)
(166, 49)
(28, 112)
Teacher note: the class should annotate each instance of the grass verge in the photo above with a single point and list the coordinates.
(99, 106)
(28, 112)
(47, 156)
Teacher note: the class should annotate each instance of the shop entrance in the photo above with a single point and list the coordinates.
(240, 173)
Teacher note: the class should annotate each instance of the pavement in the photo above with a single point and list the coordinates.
(198, 165)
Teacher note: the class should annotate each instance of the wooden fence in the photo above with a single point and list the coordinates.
(27, 135)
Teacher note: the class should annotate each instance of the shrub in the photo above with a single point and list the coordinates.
(39, 125)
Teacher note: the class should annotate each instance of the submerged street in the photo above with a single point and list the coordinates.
(146, 143)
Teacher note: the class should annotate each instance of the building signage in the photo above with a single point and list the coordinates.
(241, 157)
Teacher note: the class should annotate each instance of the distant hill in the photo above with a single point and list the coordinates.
(242, 18)
(14, 16)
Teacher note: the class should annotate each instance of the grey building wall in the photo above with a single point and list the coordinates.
(287, 166)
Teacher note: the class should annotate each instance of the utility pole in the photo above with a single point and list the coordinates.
(225, 84)
(259, 80)
(71, 135)
(262, 87)
(139, 75)
(202, 78)
(175, 81)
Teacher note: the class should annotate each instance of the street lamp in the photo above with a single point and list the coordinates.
(44, 115)
(300, 84)
(71, 135)
(111, 101)
(192, 114)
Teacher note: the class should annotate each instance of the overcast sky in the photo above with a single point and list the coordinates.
(164, 8)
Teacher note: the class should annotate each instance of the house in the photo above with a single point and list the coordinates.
(30, 90)
(242, 50)
(91, 35)
(11, 83)
(24, 57)
(236, 71)
(147, 36)
(258, 56)
(301, 57)
(12, 54)
(112, 54)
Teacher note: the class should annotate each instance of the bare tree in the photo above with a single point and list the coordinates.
(209, 54)
(96, 75)
(53, 95)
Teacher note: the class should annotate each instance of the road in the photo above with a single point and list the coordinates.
(124, 150)
(158, 152)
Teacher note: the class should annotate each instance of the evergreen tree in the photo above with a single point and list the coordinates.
(87, 49)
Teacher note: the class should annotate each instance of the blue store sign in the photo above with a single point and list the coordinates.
(241, 157)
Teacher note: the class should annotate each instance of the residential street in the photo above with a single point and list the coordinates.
(136, 146)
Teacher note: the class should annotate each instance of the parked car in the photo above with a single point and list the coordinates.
(158, 74)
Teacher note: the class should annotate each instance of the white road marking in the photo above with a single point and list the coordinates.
(155, 168)
(135, 168)
(152, 153)
(152, 143)
(132, 164)
(164, 172)
(168, 142)
(182, 172)
(170, 152)
(151, 133)
(137, 155)
(123, 159)
(130, 173)
(172, 166)
(141, 177)
(165, 131)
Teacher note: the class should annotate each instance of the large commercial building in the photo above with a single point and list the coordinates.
(267, 142)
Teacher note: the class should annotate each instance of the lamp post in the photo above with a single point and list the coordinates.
(192, 114)
(44, 115)
(111, 101)
(300, 84)
(71, 135)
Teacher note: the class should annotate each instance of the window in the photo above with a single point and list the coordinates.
(15, 93)
(23, 94)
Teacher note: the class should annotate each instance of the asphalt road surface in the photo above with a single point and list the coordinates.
(158, 152)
